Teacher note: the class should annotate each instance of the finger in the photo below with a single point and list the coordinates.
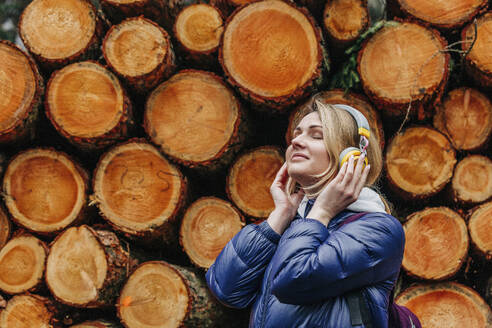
(282, 175)
(341, 173)
(363, 179)
(358, 171)
(349, 173)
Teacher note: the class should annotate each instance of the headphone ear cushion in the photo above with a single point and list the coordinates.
(347, 152)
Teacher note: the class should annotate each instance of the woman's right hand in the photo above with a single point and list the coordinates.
(285, 205)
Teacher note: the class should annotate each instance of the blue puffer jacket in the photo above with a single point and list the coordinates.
(299, 279)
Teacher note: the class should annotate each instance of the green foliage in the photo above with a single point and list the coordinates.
(10, 10)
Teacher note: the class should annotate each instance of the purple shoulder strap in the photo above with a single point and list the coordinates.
(353, 218)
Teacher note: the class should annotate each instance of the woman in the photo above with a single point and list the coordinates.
(297, 267)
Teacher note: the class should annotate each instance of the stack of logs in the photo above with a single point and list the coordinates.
(138, 136)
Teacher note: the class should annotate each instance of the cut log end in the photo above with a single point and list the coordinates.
(465, 116)
(85, 100)
(59, 29)
(419, 162)
(436, 244)
(46, 190)
(199, 28)
(27, 311)
(96, 324)
(250, 178)
(480, 227)
(448, 15)
(345, 20)
(447, 305)
(402, 63)
(137, 189)
(207, 226)
(155, 295)
(208, 121)
(472, 180)
(22, 264)
(271, 50)
(136, 47)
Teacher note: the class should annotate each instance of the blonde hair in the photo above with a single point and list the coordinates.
(340, 131)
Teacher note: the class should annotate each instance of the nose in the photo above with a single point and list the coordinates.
(298, 141)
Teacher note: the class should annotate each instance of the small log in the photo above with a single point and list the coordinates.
(446, 15)
(88, 106)
(419, 162)
(118, 10)
(139, 192)
(85, 268)
(344, 21)
(5, 227)
(198, 29)
(480, 228)
(207, 132)
(28, 310)
(404, 63)
(97, 324)
(59, 32)
(465, 117)
(21, 90)
(45, 190)
(436, 244)
(447, 304)
(172, 8)
(140, 52)
(207, 226)
(158, 294)
(472, 180)
(271, 52)
(478, 63)
(249, 180)
(22, 264)
(338, 96)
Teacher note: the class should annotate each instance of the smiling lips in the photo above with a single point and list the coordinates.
(298, 155)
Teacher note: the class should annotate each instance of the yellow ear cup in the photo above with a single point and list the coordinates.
(345, 155)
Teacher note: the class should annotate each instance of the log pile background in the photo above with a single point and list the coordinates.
(423, 79)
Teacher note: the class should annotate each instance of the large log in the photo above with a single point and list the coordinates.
(29, 310)
(140, 193)
(249, 180)
(480, 228)
(472, 180)
(404, 63)
(85, 268)
(465, 117)
(160, 295)
(207, 226)
(271, 52)
(478, 63)
(448, 15)
(21, 91)
(419, 162)
(195, 119)
(22, 264)
(140, 52)
(436, 244)
(59, 32)
(447, 304)
(88, 105)
(45, 190)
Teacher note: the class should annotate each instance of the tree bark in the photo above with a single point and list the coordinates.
(158, 294)
(436, 244)
(140, 193)
(447, 304)
(86, 268)
(207, 226)
(210, 127)
(419, 162)
(5, 227)
(465, 117)
(97, 324)
(480, 228)
(249, 180)
(140, 52)
(472, 180)
(59, 32)
(403, 64)
(29, 310)
(88, 106)
(45, 191)
(22, 264)
(21, 91)
(118, 10)
(271, 52)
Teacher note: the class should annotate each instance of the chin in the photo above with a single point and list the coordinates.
(299, 175)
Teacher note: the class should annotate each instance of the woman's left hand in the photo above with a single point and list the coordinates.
(340, 192)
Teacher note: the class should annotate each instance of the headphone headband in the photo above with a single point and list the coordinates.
(360, 119)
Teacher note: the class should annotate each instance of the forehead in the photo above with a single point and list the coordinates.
(309, 119)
